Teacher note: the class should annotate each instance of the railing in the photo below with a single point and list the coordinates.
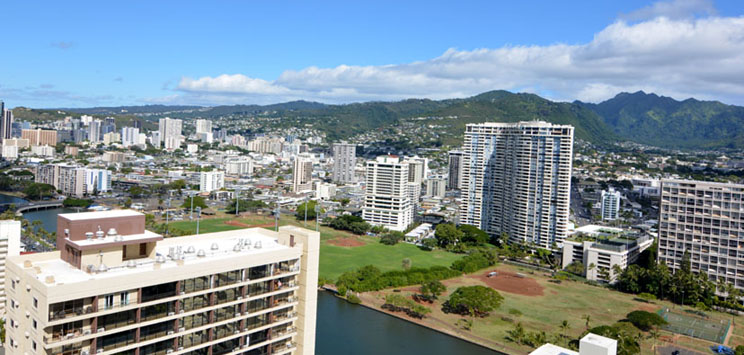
(73, 312)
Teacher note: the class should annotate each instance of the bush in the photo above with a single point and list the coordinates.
(647, 297)
(515, 312)
(475, 261)
(399, 303)
(392, 238)
(353, 299)
(370, 278)
(645, 320)
(350, 223)
(473, 300)
(77, 202)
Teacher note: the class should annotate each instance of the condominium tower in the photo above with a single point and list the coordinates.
(387, 201)
(10, 245)
(6, 122)
(211, 181)
(705, 219)
(170, 132)
(116, 288)
(344, 161)
(455, 169)
(610, 208)
(302, 174)
(516, 179)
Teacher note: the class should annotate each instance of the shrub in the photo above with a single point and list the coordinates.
(515, 312)
(475, 261)
(645, 320)
(473, 300)
(353, 299)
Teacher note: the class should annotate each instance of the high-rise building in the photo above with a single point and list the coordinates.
(170, 132)
(10, 246)
(416, 173)
(40, 137)
(240, 167)
(455, 169)
(344, 161)
(203, 126)
(610, 208)
(6, 122)
(115, 287)
(706, 220)
(387, 201)
(95, 134)
(516, 179)
(211, 180)
(129, 136)
(97, 180)
(302, 174)
(436, 186)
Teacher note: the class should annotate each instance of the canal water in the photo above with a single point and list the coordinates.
(344, 328)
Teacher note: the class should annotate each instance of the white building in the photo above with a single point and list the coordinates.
(97, 180)
(130, 136)
(203, 126)
(192, 148)
(387, 201)
(436, 187)
(600, 248)
(10, 245)
(610, 205)
(211, 180)
(240, 167)
(516, 180)
(324, 191)
(10, 152)
(590, 344)
(170, 132)
(42, 150)
(302, 174)
(111, 138)
(94, 131)
(344, 161)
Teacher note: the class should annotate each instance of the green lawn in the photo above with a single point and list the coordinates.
(335, 260)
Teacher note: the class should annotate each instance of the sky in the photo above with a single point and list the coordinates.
(101, 53)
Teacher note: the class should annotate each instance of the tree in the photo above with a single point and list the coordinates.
(447, 235)
(432, 289)
(645, 320)
(654, 334)
(565, 326)
(406, 263)
(128, 202)
(472, 235)
(38, 190)
(310, 206)
(576, 268)
(473, 300)
(198, 202)
(588, 319)
(136, 191)
(429, 243)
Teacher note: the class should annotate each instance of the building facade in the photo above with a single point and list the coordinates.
(302, 174)
(115, 288)
(10, 246)
(454, 169)
(170, 132)
(610, 205)
(211, 180)
(95, 133)
(203, 126)
(516, 179)
(705, 219)
(436, 186)
(387, 201)
(130, 136)
(6, 122)
(344, 161)
(40, 137)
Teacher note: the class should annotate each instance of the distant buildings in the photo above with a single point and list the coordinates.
(344, 161)
(211, 180)
(130, 136)
(6, 122)
(302, 174)
(204, 131)
(97, 180)
(455, 169)
(94, 131)
(239, 166)
(610, 205)
(516, 179)
(40, 137)
(170, 132)
(74, 180)
(113, 157)
(387, 201)
(706, 220)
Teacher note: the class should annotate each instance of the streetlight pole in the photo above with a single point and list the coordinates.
(237, 201)
(317, 216)
(191, 217)
(278, 210)
(198, 217)
(307, 203)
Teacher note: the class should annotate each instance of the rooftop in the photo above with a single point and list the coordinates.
(550, 349)
(169, 253)
(99, 215)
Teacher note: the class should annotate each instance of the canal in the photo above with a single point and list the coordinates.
(344, 328)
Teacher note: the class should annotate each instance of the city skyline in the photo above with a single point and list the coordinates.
(248, 53)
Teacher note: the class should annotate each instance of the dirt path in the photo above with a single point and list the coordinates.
(346, 242)
(511, 282)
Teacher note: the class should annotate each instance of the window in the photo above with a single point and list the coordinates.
(109, 301)
(34, 323)
(143, 249)
(12, 323)
(33, 345)
(12, 303)
(124, 298)
(12, 284)
(36, 303)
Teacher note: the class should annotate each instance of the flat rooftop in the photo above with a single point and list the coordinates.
(99, 214)
(189, 250)
(550, 349)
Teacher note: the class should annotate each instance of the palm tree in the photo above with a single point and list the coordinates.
(654, 334)
(588, 319)
(564, 328)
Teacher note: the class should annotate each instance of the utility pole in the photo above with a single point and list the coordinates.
(278, 211)
(317, 217)
(191, 217)
(167, 213)
(198, 217)
(237, 201)
(307, 203)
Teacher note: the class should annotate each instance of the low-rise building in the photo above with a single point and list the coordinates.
(590, 344)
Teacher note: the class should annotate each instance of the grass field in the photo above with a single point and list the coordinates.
(335, 260)
(568, 301)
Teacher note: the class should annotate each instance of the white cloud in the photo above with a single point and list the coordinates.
(670, 55)
(675, 9)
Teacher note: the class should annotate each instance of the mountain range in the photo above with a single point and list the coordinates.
(637, 117)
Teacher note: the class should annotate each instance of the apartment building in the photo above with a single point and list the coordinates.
(211, 180)
(95, 133)
(239, 166)
(516, 179)
(436, 186)
(454, 169)
(115, 288)
(302, 174)
(6, 122)
(610, 205)
(170, 132)
(600, 248)
(203, 126)
(130, 136)
(10, 246)
(387, 200)
(40, 137)
(113, 157)
(705, 219)
(344, 161)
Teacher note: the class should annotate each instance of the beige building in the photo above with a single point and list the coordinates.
(10, 245)
(18, 142)
(70, 150)
(113, 157)
(40, 136)
(115, 288)
(705, 219)
(302, 174)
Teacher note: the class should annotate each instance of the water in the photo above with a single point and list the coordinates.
(8, 199)
(344, 328)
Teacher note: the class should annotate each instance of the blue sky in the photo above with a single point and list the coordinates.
(80, 54)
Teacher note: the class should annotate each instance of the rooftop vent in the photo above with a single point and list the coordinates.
(201, 253)
(215, 246)
(131, 264)
(89, 235)
(191, 250)
(257, 245)
(112, 232)
(102, 268)
(160, 259)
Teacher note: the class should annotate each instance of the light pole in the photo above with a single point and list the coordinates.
(278, 210)
(317, 216)
(307, 203)
(198, 217)
(191, 217)
(167, 213)
(237, 201)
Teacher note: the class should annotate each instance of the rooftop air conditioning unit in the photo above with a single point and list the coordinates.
(98, 351)
(101, 329)
(84, 352)
(171, 313)
(86, 332)
(237, 314)
(170, 332)
(169, 351)
(182, 329)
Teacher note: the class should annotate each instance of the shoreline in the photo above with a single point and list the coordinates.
(439, 330)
